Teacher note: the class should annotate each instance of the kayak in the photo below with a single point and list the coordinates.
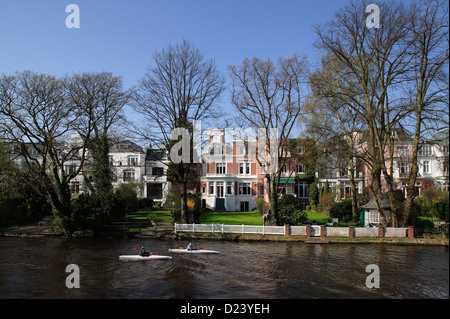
(137, 257)
(194, 251)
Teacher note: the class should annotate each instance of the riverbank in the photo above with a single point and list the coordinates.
(166, 232)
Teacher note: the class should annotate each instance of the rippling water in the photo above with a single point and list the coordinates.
(35, 268)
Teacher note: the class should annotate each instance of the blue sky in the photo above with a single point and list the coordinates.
(120, 36)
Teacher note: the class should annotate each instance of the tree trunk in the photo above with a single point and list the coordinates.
(274, 201)
(184, 212)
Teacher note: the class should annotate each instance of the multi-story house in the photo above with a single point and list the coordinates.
(130, 163)
(231, 178)
(155, 181)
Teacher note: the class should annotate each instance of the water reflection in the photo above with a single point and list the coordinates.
(35, 268)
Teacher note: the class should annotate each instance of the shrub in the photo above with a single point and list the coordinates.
(261, 205)
(128, 196)
(290, 210)
(442, 210)
(425, 224)
(342, 210)
(290, 215)
(289, 200)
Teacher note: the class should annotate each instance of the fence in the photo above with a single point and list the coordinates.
(237, 229)
(309, 231)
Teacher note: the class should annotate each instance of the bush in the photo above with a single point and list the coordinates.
(442, 210)
(425, 224)
(261, 205)
(290, 215)
(128, 196)
(342, 210)
(289, 200)
(290, 210)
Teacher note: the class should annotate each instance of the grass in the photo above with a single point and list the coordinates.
(316, 217)
(231, 218)
(157, 216)
(227, 218)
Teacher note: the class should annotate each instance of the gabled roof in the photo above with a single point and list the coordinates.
(372, 205)
(126, 146)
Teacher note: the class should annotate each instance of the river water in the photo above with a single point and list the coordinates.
(36, 268)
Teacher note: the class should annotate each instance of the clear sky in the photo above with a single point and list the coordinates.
(120, 36)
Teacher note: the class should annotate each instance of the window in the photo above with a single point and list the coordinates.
(301, 189)
(132, 160)
(261, 190)
(229, 188)
(244, 168)
(300, 168)
(244, 207)
(245, 189)
(220, 168)
(243, 150)
(220, 189)
(404, 169)
(157, 171)
(74, 187)
(211, 188)
(426, 166)
(445, 149)
(425, 150)
(154, 190)
(343, 170)
(402, 151)
(69, 169)
(128, 176)
(262, 169)
(284, 169)
(374, 217)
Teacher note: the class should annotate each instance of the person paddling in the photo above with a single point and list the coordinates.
(190, 247)
(143, 253)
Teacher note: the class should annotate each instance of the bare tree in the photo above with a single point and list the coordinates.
(99, 99)
(177, 90)
(429, 77)
(37, 115)
(379, 60)
(269, 97)
(332, 116)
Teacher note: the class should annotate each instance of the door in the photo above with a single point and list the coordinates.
(244, 206)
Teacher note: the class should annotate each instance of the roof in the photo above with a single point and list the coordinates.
(372, 205)
(126, 146)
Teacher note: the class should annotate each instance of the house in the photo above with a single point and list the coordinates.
(371, 217)
(230, 175)
(129, 162)
(155, 181)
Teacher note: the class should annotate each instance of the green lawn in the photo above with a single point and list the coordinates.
(158, 216)
(316, 217)
(231, 218)
(226, 218)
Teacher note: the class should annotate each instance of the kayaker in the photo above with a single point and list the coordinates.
(143, 253)
(190, 247)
